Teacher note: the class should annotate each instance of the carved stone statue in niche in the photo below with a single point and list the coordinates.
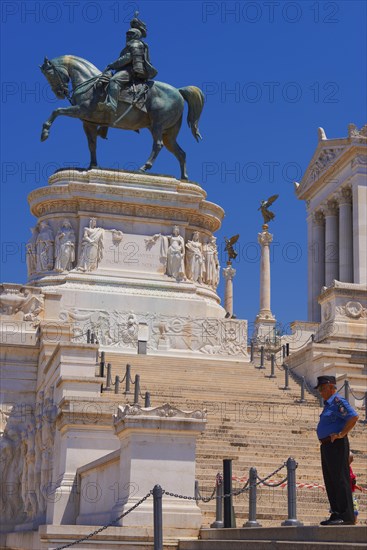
(64, 247)
(194, 259)
(11, 506)
(211, 263)
(91, 249)
(31, 252)
(45, 247)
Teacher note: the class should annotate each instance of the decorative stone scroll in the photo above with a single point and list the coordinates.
(163, 411)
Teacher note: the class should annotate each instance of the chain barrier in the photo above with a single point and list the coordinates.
(355, 397)
(100, 529)
(263, 480)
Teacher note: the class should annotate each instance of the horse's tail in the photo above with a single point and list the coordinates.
(195, 99)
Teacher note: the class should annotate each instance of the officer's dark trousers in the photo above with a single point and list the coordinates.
(335, 467)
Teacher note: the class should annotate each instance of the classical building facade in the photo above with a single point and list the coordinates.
(335, 190)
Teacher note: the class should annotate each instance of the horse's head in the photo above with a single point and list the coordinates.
(57, 76)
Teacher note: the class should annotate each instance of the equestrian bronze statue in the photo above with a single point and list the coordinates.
(127, 99)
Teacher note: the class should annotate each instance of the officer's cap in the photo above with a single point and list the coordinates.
(325, 380)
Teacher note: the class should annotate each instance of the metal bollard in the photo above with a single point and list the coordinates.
(287, 349)
(227, 490)
(252, 500)
(157, 515)
(283, 351)
(127, 378)
(102, 364)
(196, 491)
(137, 389)
(272, 374)
(292, 495)
(346, 389)
(251, 351)
(92, 337)
(117, 384)
(303, 384)
(88, 336)
(147, 399)
(286, 377)
(109, 376)
(262, 358)
(218, 523)
(312, 337)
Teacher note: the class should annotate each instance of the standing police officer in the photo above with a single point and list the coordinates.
(336, 421)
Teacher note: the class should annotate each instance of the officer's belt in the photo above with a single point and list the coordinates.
(325, 440)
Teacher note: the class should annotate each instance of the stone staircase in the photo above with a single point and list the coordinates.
(253, 421)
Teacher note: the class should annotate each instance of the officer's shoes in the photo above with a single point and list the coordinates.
(334, 521)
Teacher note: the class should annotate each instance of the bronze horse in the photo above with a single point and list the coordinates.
(163, 116)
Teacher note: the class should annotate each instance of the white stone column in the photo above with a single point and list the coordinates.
(265, 321)
(345, 236)
(228, 272)
(265, 239)
(316, 258)
(360, 225)
(331, 242)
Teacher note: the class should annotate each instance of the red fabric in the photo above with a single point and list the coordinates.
(353, 480)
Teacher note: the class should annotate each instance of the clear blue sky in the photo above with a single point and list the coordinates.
(272, 73)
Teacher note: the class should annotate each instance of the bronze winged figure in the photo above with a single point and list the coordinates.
(232, 254)
(264, 207)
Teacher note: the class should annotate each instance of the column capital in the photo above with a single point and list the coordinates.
(264, 238)
(318, 217)
(345, 195)
(229, 272)
(330, 207)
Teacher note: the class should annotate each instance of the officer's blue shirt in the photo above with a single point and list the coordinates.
(337, 411)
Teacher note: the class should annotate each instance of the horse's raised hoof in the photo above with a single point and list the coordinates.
(44, 135)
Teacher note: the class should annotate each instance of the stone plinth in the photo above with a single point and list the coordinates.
(158, 447)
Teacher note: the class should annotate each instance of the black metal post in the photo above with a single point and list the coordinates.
(158, 519)
(147, 399)
(286, 377)
(252, 500)
(292, 495)
(312, 337)
(262, 351)
(303, 384)
(227, 489)
(88, 336)
(109, 376)
(137, 389)
(283, 351)
(92, 337)
(218, 523)
(127, 378)
(117, 384)
(272, 374)
(346, 389)
(102, 364)
(287, 348)
(251, 351)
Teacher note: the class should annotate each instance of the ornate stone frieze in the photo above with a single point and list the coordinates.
(352, 309)
(208, 336)
(17, 300)
(164, 411)
(325, 159)
(359, 159)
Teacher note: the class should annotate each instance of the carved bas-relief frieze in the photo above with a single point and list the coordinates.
(26, 462)
(21, 302)
(119, 330)
(163, 411)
